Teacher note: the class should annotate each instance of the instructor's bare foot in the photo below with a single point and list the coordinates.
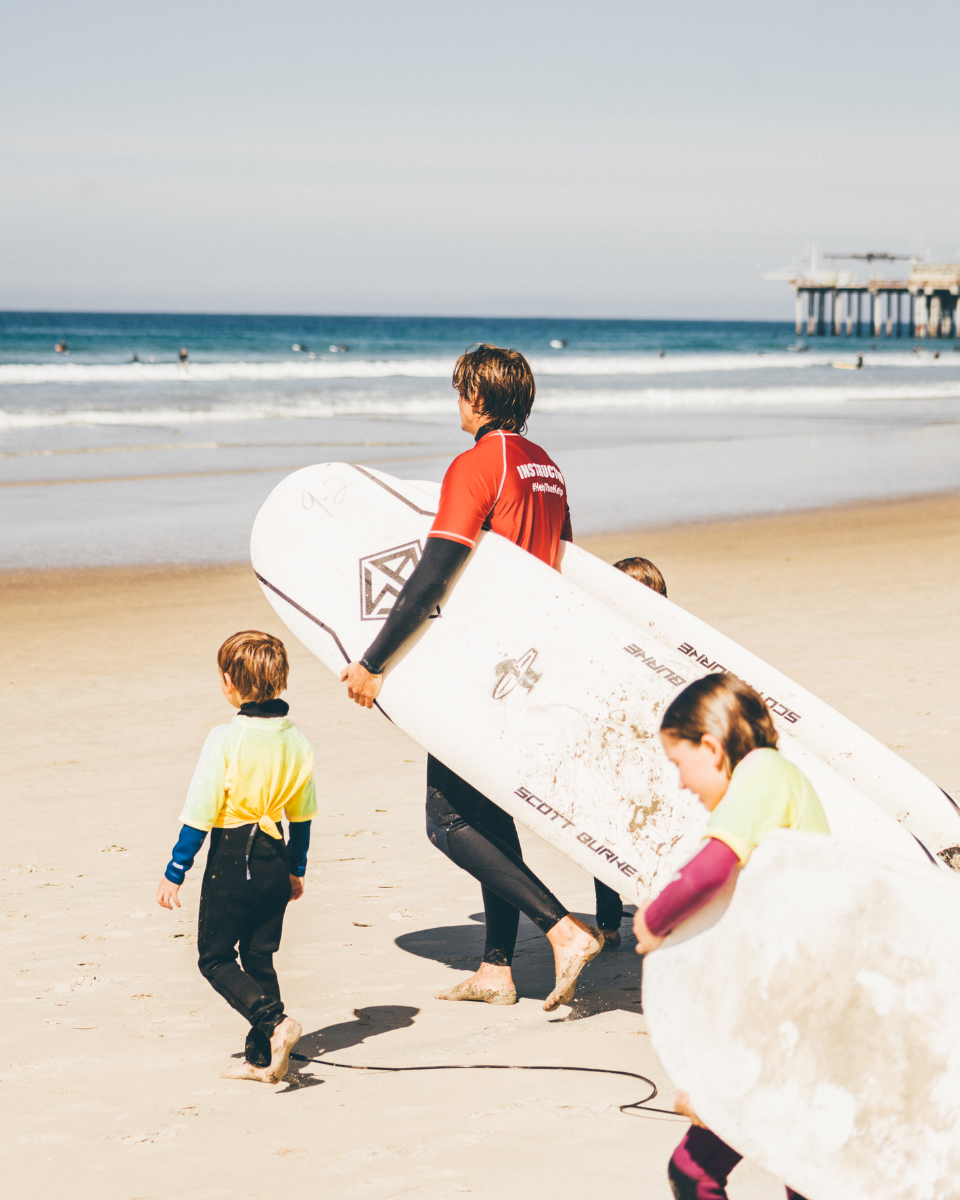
(574, 945)
(490, 985)
(611, 939)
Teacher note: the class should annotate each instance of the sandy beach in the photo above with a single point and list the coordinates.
(113, 1043)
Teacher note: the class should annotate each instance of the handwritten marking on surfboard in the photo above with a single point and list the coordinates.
(778, 709)
(512, 671)
(385, 573)
(655, 667)
(586, 838)
(332, 492)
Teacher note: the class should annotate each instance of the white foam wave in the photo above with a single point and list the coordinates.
(431, 367)
(775, 399)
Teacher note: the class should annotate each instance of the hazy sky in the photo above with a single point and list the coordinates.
(616, 158)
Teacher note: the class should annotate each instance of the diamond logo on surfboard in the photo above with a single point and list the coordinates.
(382, 575)
(512, 671)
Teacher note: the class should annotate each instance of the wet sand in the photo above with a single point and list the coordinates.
(113, 1043)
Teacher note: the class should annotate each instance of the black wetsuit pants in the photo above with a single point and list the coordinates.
(245, 892)
(482, 839)
(609, 906)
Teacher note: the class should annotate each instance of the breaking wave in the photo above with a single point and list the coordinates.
(712, 399)
(429, 368)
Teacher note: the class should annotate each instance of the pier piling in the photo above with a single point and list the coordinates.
(826, 300)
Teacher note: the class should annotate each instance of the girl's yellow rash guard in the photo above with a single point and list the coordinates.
(253, 769)
(766, 792)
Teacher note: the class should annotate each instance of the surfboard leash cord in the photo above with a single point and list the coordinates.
(635, 1107)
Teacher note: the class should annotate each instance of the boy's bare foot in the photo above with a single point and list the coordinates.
(611, 939)
(490, 985)
(285, 1037)
(245, 1070)
(574, 945)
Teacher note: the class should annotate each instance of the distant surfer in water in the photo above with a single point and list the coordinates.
(509, 485)
(719, 734)
(609, 902)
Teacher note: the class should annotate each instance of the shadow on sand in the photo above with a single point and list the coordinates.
(610, 982)
(367, 1023)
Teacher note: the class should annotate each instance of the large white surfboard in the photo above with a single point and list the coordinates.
(541, 696)
(897, 786)
(812, 1013)
(889, 780)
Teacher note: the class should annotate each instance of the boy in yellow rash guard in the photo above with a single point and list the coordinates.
(251, 773)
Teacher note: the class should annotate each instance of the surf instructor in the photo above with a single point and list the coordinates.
(507, 484)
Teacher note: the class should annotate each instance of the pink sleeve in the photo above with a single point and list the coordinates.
(697, 882)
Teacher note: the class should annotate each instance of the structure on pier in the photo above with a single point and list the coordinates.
(832, 301)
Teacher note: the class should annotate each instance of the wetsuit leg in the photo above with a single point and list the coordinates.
(249, 912)
(270, 880)
(700, 1166)
(609, 906)
(461, 822)
(502, 918)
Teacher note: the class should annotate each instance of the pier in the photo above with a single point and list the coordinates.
(836, 302)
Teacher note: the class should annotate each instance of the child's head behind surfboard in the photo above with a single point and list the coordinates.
(643, 571)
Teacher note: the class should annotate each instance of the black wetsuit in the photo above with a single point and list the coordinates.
(609, 906)
(482, 839)
(246, 889)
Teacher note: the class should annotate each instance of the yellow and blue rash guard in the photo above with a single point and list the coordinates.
(766, 792)
(256, 769)
(253, 769)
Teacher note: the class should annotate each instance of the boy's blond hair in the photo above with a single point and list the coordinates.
(643, 570)
(256, 663)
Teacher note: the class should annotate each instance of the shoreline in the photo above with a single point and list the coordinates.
(597, 543)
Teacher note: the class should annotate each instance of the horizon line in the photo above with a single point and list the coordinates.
(137, 312)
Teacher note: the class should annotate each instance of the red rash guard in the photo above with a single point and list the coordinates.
(510, 486)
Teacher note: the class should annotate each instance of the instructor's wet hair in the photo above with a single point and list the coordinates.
(644, 571)
(501, 380)
(256, 663)
(726, 707)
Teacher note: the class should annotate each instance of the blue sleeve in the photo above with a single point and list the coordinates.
(184, 852)
(298, 843)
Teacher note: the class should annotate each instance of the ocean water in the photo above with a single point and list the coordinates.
(104, 459)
